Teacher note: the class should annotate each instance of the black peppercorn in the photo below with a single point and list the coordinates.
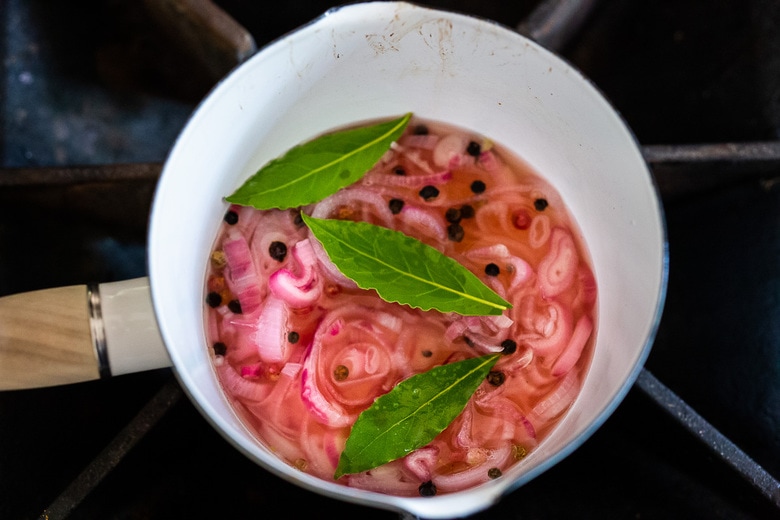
(298, 219)
(492, 269)
(496, 378)
(213, 299)
(277, 250)
(540, 204)
(467, 211)
(231, 217)
(293, 337)
(453, 215)
(396, 205)
(427, 489)
(235, 306)
(478, 187)
(429, 192)
(455, 232)
(420, 130)
(474, 149)
(399, 170)
(220, 348)
(508, 346)
(426, 353)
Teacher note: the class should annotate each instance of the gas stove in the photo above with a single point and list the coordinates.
(94, 94)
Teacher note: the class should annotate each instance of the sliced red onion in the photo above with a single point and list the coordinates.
(450, 152)
(491, 251)
(334, 327)
(422, 461)
(333, 450)
(558, 268)
(248, 218)
(241, 274)
(498, 287)
(212, 328)
(455, 330)
(352, 341)
(388, 321)
(298, 290)
(291, 369)
(407, 181)
(388, 157)
(485, 333)
(239, 387)
(463, 324)
(424, 221)
(539, 232)
(547, 325)
(485, 344)
(281, 407)
(495, 217)
(252, 371)
(270, 334)
(573, 351)
(498, 419)
(512, 195)
(461, 428)
(522, 272)
(322, 409)
(362, 201)
(322, 445)
(586, 297)
(559, 400)
(367, 373)
(489, 161)
(413, 156)
(327, 265)
(423, 141)
(487, 325)
(279, 223)
(389, 479)
(284, 419)
(497, 323)
(237, 330)
(520, 360)
(478, 473)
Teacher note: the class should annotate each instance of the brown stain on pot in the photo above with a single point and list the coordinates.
(436, 34)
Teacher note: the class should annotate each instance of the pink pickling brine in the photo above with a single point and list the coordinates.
(301, 351)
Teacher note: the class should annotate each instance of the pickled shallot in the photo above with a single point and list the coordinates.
(301, 351)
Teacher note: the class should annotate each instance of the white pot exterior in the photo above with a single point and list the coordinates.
(383, 59)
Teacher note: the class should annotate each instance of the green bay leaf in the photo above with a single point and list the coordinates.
(402, 269)
(311, 171)
(412, 414)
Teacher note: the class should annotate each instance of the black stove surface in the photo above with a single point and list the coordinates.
(96, 83)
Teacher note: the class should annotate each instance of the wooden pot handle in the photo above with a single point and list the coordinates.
(45, 338)
(78, 333)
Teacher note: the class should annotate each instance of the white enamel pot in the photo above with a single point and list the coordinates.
(377, 60)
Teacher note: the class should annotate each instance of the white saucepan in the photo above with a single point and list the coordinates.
(359, 63)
